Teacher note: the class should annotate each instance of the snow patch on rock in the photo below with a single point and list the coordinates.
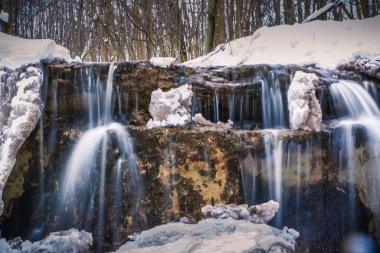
(212, 235)
(162, 61)
(201, 121)
(59, 242)
(19, 113)
(171, 108)
(262, 213)
(323, 43)
(16, 52)
(304, 108)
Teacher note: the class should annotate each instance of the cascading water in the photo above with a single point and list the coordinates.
(82, 168)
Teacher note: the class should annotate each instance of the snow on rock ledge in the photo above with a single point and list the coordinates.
(59, 242)
(162, 61)
(16, 52)
(19, 113)
(262, 213)
(171, 108)
(304, 108)
(201, 121)
(213, 235)
(323, 43)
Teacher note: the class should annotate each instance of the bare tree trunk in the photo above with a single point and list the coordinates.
(219, 23)
(238, 21)
(230, 19)
(289, 11)
(307, 8)
(374, 9)
(358, 10)
(210, 25)
(277, 11)
(149, 28)
(299, 11)
(365, 8)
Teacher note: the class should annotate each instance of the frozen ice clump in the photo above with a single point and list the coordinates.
(304, 108)
(20, 111)
(212, 235)
(171, 108)
(72, 241)
(262, 213)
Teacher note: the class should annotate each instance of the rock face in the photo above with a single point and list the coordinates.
(213, 235)
(171, 108)
(304, 108)
(23, 113)
(262, 213)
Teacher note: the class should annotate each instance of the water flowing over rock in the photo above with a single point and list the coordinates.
(171, 108)
(20, 111)
(213, 235)
(72, 241)
(304, 108)
(262, 213)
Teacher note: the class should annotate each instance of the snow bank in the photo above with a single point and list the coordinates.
(171, 108)
(212, 235)
(324, 43)
(262, 213)
(304, 108)
(19, 113)
(162, 61)
(16, 52)
(4, 16)
(71, 241)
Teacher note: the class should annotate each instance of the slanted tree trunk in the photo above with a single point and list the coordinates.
(210, 25)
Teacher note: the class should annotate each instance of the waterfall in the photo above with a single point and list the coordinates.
(83, 175)
(357, 112)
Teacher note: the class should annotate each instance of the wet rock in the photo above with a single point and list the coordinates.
(364, 66)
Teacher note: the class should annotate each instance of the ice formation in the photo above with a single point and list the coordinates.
(19, 113)
(16, 52)
(324, 43)
(262, 213)
(369, 67)
(162, 61)
(213, 235)
(201, 121)
(304, 108)
(4, 16)
(171, 108)
(71, 241)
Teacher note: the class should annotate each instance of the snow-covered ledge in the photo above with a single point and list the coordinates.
(20, 94)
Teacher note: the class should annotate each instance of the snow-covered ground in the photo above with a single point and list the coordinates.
(16, 52)
(72, 241)
(162, 61)
(213, 235)
(324, 43)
